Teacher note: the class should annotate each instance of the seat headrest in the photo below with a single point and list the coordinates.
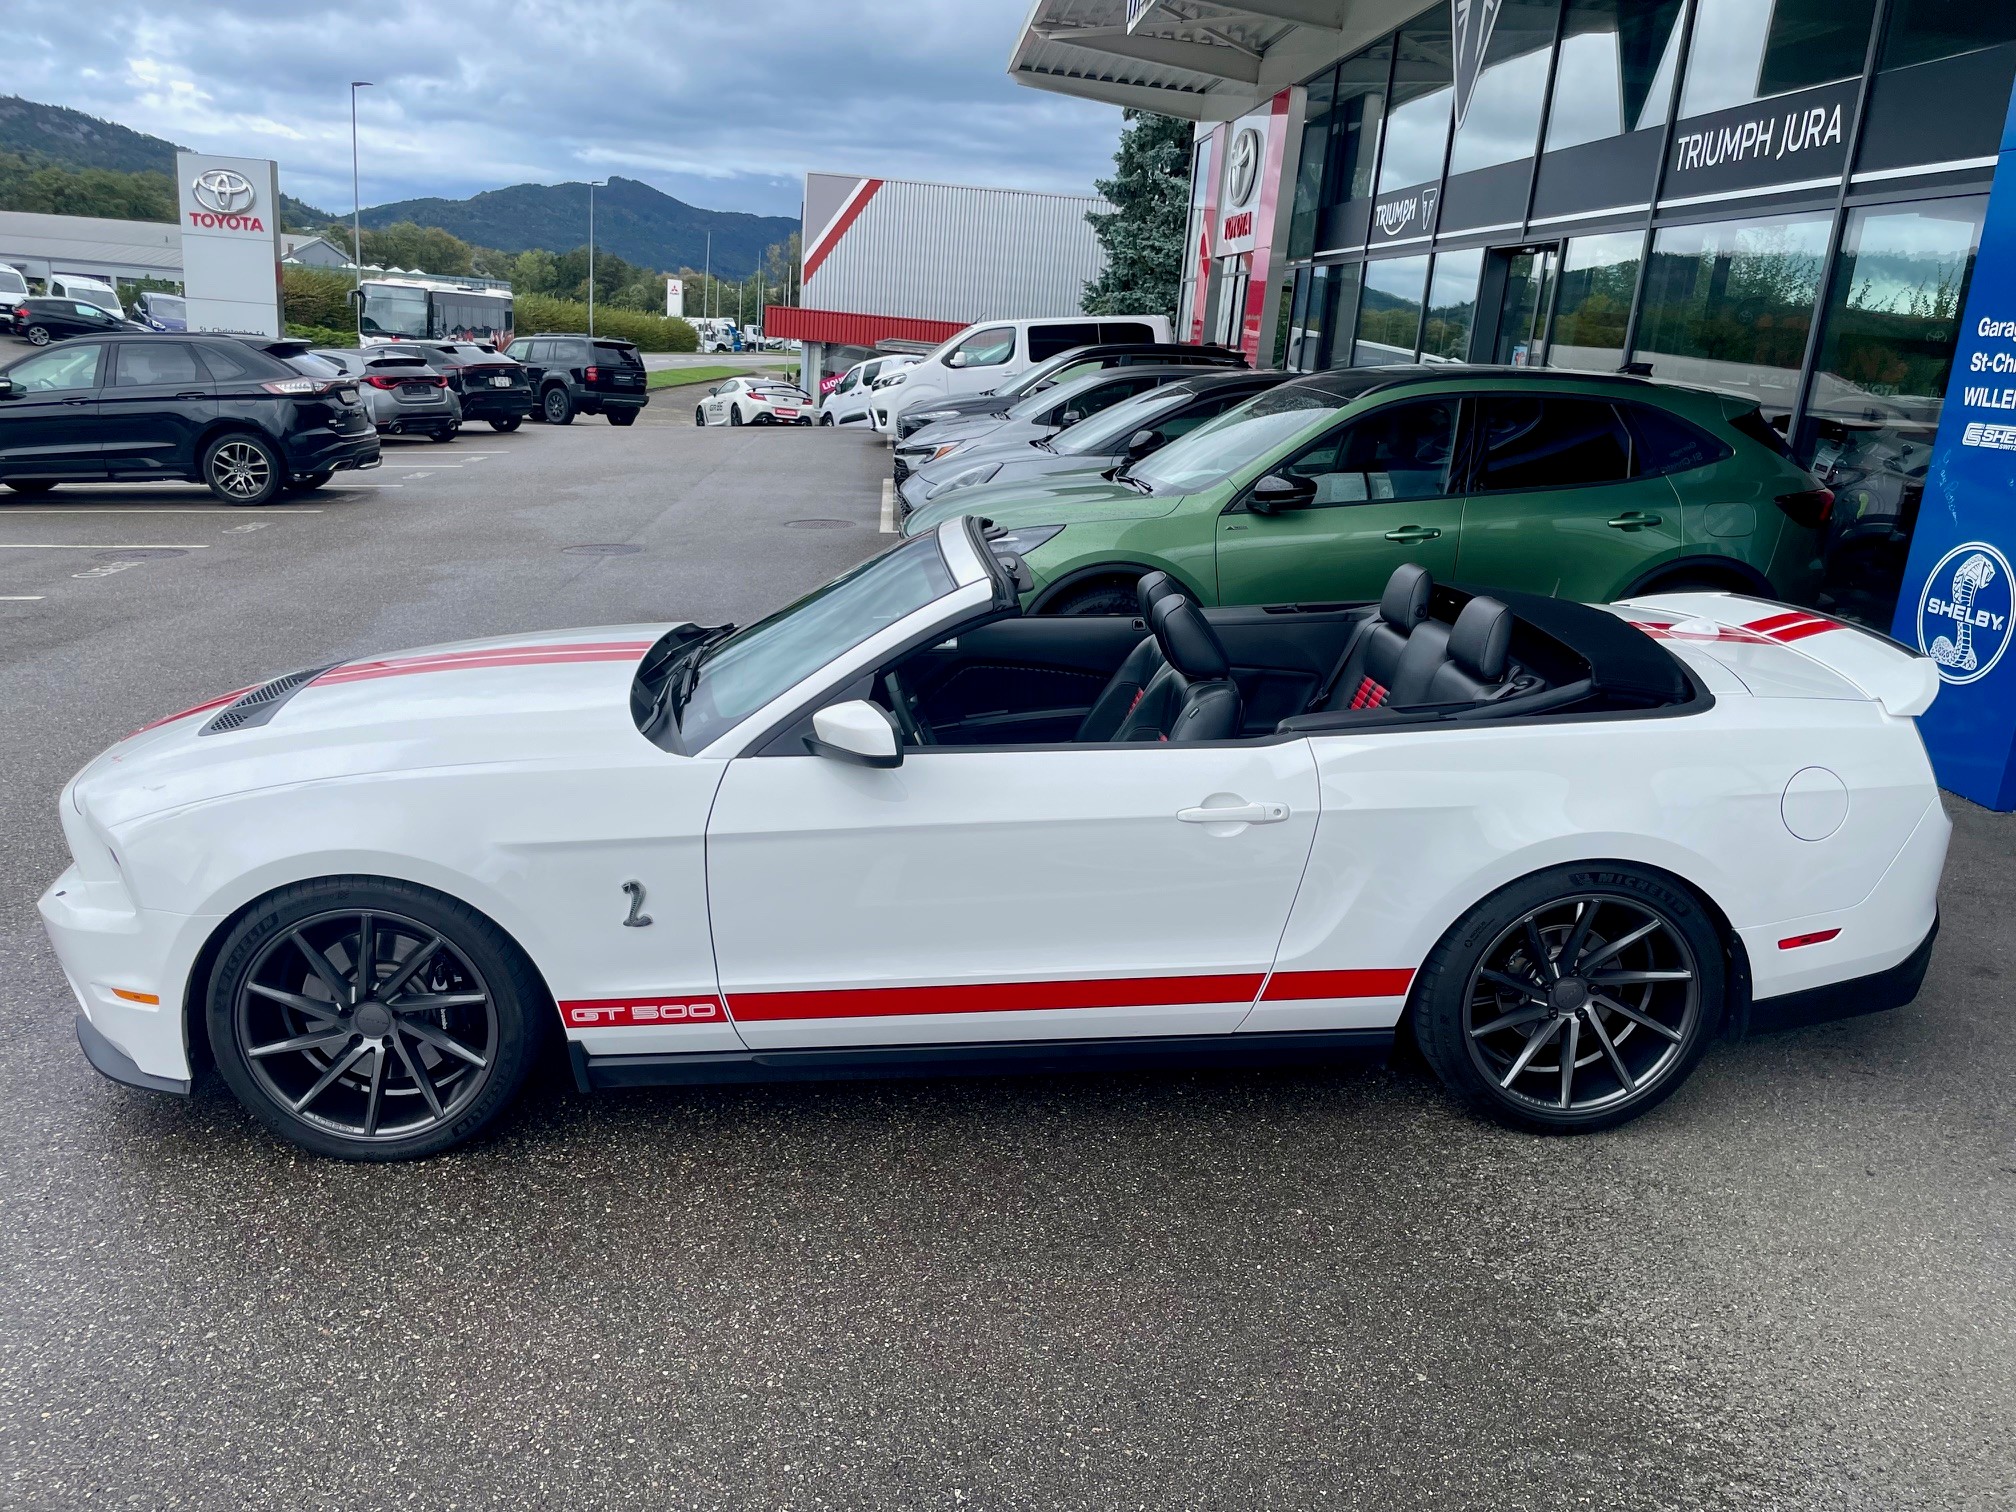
(1152, 589)
(1482, 639)
(1404, 604)
(1188, 642)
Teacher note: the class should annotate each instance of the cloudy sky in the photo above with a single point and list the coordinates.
(723, 103)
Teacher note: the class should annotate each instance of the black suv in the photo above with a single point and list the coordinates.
(590, 375)
(219, 410)
(490, 385)
(1072, 364)
(45, 320)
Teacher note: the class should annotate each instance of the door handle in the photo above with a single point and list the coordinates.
(1635, 519)
(80, 401)
(1412, 533)
(193, 394)
(1243, 813)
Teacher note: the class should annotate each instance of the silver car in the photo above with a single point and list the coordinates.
(401, 390)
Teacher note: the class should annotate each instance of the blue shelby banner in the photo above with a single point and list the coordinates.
(1956, 603)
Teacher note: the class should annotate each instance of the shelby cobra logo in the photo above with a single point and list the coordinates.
(226, 196)
(1963, 612)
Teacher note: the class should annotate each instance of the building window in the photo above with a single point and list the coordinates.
(1886, 351)
(1389, 311)
(1452, 307)
(1920, 31)
(1417, 121)
(1500, 121)
(1729, 305)
(1749, 50)
(1323, 296)
(1618, 61)
(1599, 279)
(1355, 120)
(1321, 98)
(1190, 308)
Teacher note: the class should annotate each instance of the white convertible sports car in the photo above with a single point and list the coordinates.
(756, 401)
(900, 827)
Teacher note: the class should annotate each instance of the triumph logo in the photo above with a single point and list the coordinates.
(1964, 610)
(1396, 215)
(1475, 21)
(227, 197)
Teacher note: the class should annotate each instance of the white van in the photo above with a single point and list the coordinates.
(990, 352)
(91, 291)
(848, 403)
(13, 289)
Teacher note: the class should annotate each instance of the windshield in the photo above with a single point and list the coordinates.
(775, 654)
(393, 310)
(313, 366)
(1056, 394)
(1108, 430)
(1236, 439)
(165, 304)
(1040, 375)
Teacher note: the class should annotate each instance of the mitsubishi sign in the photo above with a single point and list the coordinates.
(230, 216)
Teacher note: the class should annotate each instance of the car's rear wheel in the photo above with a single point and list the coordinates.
(33, 485)
(38, 335)
(623, 417)
(242, 469)
(510, 424)
(825, 419)
(1573, 1000)
(557, 407)
(735, 415)
(373, 1020)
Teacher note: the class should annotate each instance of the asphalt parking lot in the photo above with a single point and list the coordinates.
(1793, 1286)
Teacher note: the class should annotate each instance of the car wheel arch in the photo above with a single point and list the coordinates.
(1116, 571)
(217, 429)
(1738, 575)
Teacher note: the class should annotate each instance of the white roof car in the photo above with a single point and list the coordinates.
(756, 400)
(900, 825)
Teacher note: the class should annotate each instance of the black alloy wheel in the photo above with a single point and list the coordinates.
(241, 468)
(622, 417)
(33, 486)
(557, 407)
(735, 415)
(372, 1020)
(510, 424)
(699, 414)
(1575, 1000)
(38, 335)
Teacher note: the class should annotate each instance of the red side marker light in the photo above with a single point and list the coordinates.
(1817, 937)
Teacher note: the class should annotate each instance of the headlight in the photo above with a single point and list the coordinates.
(925, 417)
(1025, 538)
(980, 472)
(948, 449)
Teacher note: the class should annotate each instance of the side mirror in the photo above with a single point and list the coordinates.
(9, 389)
(856, 731)
(1279, 491)
(1141, 443)
(1070, 417)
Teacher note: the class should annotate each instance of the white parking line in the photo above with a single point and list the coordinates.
(430, 466)
(888, 506)
(278, 514)
(20, 598)
(93, 546)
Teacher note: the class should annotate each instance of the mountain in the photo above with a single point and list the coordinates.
(72, 139)
(636, 222)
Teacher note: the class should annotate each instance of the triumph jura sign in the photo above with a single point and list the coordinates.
(230, 215)
(1786, 140)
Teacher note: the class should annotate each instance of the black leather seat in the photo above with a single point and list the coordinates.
(1124, 689)
(1192, 698)
(1478, 662)
(1370, 671)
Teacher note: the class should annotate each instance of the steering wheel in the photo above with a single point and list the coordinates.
(915, 731)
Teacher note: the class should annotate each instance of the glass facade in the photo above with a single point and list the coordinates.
(1452, 307)
(1599, 280)
(1923, 31)
(1417, 121)
(1616, 70)
(1389, 311)
(1499, 116)
(1749, 50)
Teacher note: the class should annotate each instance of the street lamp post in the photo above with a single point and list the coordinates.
(357, 208)
(593, 185)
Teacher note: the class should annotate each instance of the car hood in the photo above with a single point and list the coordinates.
(1024, 459)
(553, 698)
(942, 432)
(1073, 498)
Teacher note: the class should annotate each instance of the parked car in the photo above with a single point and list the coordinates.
(1554, 858)
(998, 401)
(488, 385)
(402, 390)
(847, 402)
(989, 353)
(754, 401)
(575, 374)
(1591, 486)
(42, 320)
(1124, 433)
(161, 312)
(1043, 413)
(90, 290)
(214, 410)
(13, 290)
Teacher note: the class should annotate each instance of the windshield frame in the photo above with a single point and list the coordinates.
(1142, 474)
(1155, 403)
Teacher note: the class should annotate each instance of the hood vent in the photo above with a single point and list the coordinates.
(263, 702)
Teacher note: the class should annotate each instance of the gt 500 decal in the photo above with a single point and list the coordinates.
(627, 1013)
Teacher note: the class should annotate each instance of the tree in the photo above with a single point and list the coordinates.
(1143, 233)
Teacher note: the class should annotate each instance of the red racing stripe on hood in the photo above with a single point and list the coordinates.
(494, 656)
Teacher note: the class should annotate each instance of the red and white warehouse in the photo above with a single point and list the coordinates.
(902, 263)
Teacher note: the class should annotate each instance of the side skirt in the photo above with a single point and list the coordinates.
(1009, 1057)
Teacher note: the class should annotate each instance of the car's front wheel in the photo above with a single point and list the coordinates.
(557, 407)
(699, 414)
(1098, 598)
(370, 1019)
(825, 419)
(509, 424)
(1574, 999)
(243, 469)
(38, 335)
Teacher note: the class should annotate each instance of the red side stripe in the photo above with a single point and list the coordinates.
(995, 997)
(503, 656)
(1298, 986)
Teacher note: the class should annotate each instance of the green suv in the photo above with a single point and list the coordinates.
(1588, 486)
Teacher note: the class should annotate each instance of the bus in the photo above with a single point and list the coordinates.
(418, 308)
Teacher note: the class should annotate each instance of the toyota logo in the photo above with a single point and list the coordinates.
(1245, 164)
(223, 190)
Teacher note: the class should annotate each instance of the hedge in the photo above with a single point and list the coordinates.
(321, 336)
(318, 297)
